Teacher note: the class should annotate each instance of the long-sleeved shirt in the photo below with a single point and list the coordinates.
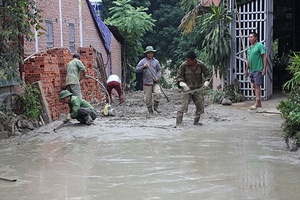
(147, 75)
(76, 103)
(73, 71)
(193, 78)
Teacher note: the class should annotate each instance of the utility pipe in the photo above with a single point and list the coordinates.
(61, 25)
(36, 34)
(80, 23)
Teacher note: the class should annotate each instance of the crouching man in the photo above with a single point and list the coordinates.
(79, 108)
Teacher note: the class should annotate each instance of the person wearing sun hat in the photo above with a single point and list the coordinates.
(150, 78)
(79, 108)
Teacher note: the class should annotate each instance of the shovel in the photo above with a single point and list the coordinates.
(9, 180)
(59, 127)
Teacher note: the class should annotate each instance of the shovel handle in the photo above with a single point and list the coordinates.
(59, 127)
(9, 180)
(153, 75)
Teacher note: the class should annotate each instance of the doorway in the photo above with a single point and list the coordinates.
(286, 36)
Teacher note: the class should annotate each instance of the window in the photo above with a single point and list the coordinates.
(72, 37)
(49, 34)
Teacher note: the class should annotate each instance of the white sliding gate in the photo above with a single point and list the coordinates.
(255, 16)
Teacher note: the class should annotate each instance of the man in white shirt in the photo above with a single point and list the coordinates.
(114, 82)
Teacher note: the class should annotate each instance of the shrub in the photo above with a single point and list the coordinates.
(293, 68)
(6, 116)
(290, 112)
(290, 109)
(29, 102)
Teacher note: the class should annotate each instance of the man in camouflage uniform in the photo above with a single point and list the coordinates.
(79, 108)
(74, 67)
(190, 77)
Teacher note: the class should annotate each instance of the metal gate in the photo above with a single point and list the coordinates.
(255, 16)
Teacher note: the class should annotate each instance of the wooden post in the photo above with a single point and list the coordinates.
(45, 111)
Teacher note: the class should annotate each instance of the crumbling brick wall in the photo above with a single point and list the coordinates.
(91, 37)
(49, 67)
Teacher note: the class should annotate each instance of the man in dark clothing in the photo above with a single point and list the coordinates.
(79, 108)
(190, 77)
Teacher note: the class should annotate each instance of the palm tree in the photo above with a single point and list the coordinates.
(215, 26)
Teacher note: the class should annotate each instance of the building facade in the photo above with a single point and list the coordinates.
(72, 24)
(276, 23)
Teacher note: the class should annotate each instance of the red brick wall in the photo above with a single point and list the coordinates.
(50, 68)
(70, 14)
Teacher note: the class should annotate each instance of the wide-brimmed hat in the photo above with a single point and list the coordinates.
(64, 94)
(149, 49)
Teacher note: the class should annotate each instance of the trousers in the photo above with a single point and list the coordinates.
(83, 113)
(198, 100)
(148, 90)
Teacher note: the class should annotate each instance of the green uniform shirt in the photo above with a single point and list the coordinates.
(73, 71)
(193, 78)
(255, 57)
(76, 103)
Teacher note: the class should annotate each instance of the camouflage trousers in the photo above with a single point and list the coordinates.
(198, 100)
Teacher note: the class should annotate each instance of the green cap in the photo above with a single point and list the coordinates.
(64, 94)
(149, 48)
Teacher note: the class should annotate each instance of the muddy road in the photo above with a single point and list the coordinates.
(236, 154)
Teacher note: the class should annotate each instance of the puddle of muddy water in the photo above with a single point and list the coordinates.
(232, 161)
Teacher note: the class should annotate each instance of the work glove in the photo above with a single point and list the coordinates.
(184, 86)
(68, 118)
(206, 84)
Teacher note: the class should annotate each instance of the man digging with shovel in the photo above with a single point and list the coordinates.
(190, 77)
(79, 108)
(151, 75)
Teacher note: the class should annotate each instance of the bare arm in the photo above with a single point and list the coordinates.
(265, 63)
(247, 68)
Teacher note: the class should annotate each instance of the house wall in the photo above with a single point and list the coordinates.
(116, 57)
(90, 34)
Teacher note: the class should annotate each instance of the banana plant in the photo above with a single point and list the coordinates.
(217, 39)
(215, 27)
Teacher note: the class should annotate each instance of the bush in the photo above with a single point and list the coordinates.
(294, 69)
(217, 96)
(6, 116)
(29, 102)
(290, 109)
(228, 93)
(290, 112)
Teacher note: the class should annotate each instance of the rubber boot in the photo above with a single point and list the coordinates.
(156, 104)
(150, 109)
(179, 118)
(88, 120)
(196, 120)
